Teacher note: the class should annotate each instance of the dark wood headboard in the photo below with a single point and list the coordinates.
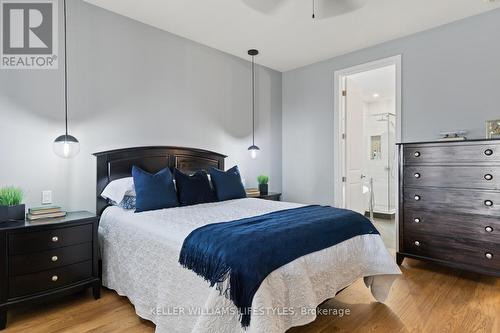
(116, 164)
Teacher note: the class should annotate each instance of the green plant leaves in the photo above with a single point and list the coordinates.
(262, 179)
(10, 196)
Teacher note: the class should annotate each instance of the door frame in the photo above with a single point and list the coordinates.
(340, 124)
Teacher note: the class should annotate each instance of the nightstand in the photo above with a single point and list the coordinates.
(47, 258)
(270, 196)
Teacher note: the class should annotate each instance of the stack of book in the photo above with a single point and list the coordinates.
(252, 192)
(45, 212)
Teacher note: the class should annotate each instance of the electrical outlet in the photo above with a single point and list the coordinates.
(46, 197)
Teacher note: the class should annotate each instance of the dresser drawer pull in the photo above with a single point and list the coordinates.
(416, 154)
(488, 256)
(54, 278)
(488, 176)
(417, 175)
(417, 197)
(488, 152)
(417, 220)
(417, 243)
(54, 258)
(55, 239)
(488, 203)
(488, 229)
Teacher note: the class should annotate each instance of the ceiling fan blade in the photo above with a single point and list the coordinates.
(331, 8)
(265, 6)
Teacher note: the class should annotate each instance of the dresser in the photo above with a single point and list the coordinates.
(47, 258)
(449, 204)
(273, 196)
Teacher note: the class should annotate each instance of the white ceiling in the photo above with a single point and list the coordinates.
(287, 36)
(380, 81)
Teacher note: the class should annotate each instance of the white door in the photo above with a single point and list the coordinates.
(354, 127)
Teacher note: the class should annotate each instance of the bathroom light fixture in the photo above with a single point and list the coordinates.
(375, 95)
(66, 146)
(253, 149)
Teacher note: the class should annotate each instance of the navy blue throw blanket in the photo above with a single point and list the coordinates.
(246, 251)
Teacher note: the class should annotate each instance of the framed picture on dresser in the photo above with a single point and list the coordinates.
(493, 129)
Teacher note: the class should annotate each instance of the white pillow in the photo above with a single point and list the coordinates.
(117, 189)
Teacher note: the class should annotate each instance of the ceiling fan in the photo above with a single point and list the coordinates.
(320, 8)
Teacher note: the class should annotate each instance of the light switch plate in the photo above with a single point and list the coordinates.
(46, 197)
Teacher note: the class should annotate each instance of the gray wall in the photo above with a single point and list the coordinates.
(451, 81)
(132, 85)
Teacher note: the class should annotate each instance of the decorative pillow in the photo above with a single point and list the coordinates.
(128, 202)
(153, 191)
(194, 189)
(116, 190)
(227, 184)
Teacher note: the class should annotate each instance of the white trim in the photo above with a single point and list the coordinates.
(339, 124)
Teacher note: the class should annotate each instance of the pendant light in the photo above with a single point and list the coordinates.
(253, 149)
(66, 146)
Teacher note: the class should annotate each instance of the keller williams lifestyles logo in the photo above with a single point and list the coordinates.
(28, 34)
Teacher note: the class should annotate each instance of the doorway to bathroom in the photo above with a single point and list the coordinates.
(368, 111)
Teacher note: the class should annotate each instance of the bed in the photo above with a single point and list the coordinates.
(140, 254)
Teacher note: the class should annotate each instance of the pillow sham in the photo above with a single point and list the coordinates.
(193, 189)
(227, 184)
(116, 190)
(153, 191)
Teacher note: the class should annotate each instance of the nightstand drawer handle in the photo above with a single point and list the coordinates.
(488, 203)
(55, 239)
(416, 154)
(55, 278)
(54, 258)
(417, 243)
(417, 197)
(488, 176)
(417, 175)
(417, 220)
(488, 152)
(488, 229)
(488, 256)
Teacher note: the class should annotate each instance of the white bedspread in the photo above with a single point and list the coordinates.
(140, 260)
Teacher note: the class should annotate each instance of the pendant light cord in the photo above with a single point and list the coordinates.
(65, 70)
(253, 101)
(313, 9)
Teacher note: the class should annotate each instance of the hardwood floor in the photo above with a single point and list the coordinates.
(427, 298)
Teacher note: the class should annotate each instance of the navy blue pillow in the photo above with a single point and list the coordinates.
(227, 184)
(193, 189)
(153, 191)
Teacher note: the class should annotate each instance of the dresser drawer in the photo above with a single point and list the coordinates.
(50, 279)
(473, 227)
(34, 262)
(28, 242)
(454, 249)
(452, 201)
(452, 153)
(476, 177)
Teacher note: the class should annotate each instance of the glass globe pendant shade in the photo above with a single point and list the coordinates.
(66, 146)
(254, 151)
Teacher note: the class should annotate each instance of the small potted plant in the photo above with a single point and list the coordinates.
(263, 181)
(11, 208)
